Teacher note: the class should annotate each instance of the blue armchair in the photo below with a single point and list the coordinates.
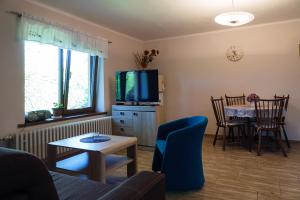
(178, 153)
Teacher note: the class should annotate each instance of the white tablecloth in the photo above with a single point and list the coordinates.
(240, 111)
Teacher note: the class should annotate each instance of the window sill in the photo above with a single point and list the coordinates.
(64, 118)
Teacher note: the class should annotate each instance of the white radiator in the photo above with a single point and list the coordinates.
(35, 141)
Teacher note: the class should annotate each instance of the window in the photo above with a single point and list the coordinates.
(59, 75)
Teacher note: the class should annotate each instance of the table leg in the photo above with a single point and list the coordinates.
(51, 157)
(97, 166)
(132, 167)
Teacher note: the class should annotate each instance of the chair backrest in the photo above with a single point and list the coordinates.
(269, 112)
(219, 112)
(286, 100)
(235, 100)
(196, 124)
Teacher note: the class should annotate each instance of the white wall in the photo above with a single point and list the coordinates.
(195, 68)
(12, 58)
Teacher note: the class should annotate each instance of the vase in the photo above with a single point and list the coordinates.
(144, 65)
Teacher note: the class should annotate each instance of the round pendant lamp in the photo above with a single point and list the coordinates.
(234, 18)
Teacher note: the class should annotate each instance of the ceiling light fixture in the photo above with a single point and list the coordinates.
(234, 18)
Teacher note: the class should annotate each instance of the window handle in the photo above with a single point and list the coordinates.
(121, 113)
(122, 129)
(135, 114)
(122, 121)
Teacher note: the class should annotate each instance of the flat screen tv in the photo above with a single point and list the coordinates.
(137, 86)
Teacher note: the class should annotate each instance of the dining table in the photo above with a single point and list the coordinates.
(244, 111)
(241, 111)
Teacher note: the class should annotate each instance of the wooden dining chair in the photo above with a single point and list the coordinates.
(268, 118)
(235, 100)
(218, 107)
(282, 122)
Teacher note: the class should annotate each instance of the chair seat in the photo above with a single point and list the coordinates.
(161, 145)
(233, 123)
(266, 126)
(238, 119)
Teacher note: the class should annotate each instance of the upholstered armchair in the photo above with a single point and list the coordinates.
(178, 153)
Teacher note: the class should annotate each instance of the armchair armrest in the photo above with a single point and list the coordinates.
(142, 186)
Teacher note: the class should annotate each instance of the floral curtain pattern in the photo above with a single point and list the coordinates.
(38, 30)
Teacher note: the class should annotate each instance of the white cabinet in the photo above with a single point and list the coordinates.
(138, 121)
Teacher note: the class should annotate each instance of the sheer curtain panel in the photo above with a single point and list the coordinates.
(40, 30)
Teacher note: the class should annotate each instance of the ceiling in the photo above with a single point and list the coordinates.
(155, 19)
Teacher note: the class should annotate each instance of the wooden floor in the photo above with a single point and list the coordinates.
(237, 174)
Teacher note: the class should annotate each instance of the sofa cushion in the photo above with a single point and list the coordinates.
(69, 187)
(142, 186)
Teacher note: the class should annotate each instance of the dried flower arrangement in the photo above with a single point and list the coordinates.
(252, 97)
(143, 59)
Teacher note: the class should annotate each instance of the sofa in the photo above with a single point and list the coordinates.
(25, 177)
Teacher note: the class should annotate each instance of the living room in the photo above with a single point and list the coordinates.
(196, 57)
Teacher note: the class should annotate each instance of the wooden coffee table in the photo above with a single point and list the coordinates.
(95, 159)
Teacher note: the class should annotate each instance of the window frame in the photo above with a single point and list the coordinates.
(64, 89)
(64, 76)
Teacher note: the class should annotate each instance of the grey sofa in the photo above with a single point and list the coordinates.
(25, 177)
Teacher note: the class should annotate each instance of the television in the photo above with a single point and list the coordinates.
(137, 86)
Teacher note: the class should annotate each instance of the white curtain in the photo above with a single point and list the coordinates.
(33, 29)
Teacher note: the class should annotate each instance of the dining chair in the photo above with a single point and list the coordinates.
(223, 122)
(268, 118)
(282, 122)
(235, 100)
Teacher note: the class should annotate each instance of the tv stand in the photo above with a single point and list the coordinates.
(135, 103)
(138, 104)
(140, 121)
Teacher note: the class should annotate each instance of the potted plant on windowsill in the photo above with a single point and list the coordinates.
(58, 109)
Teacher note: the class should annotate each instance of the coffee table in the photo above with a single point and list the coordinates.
(95, 159)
